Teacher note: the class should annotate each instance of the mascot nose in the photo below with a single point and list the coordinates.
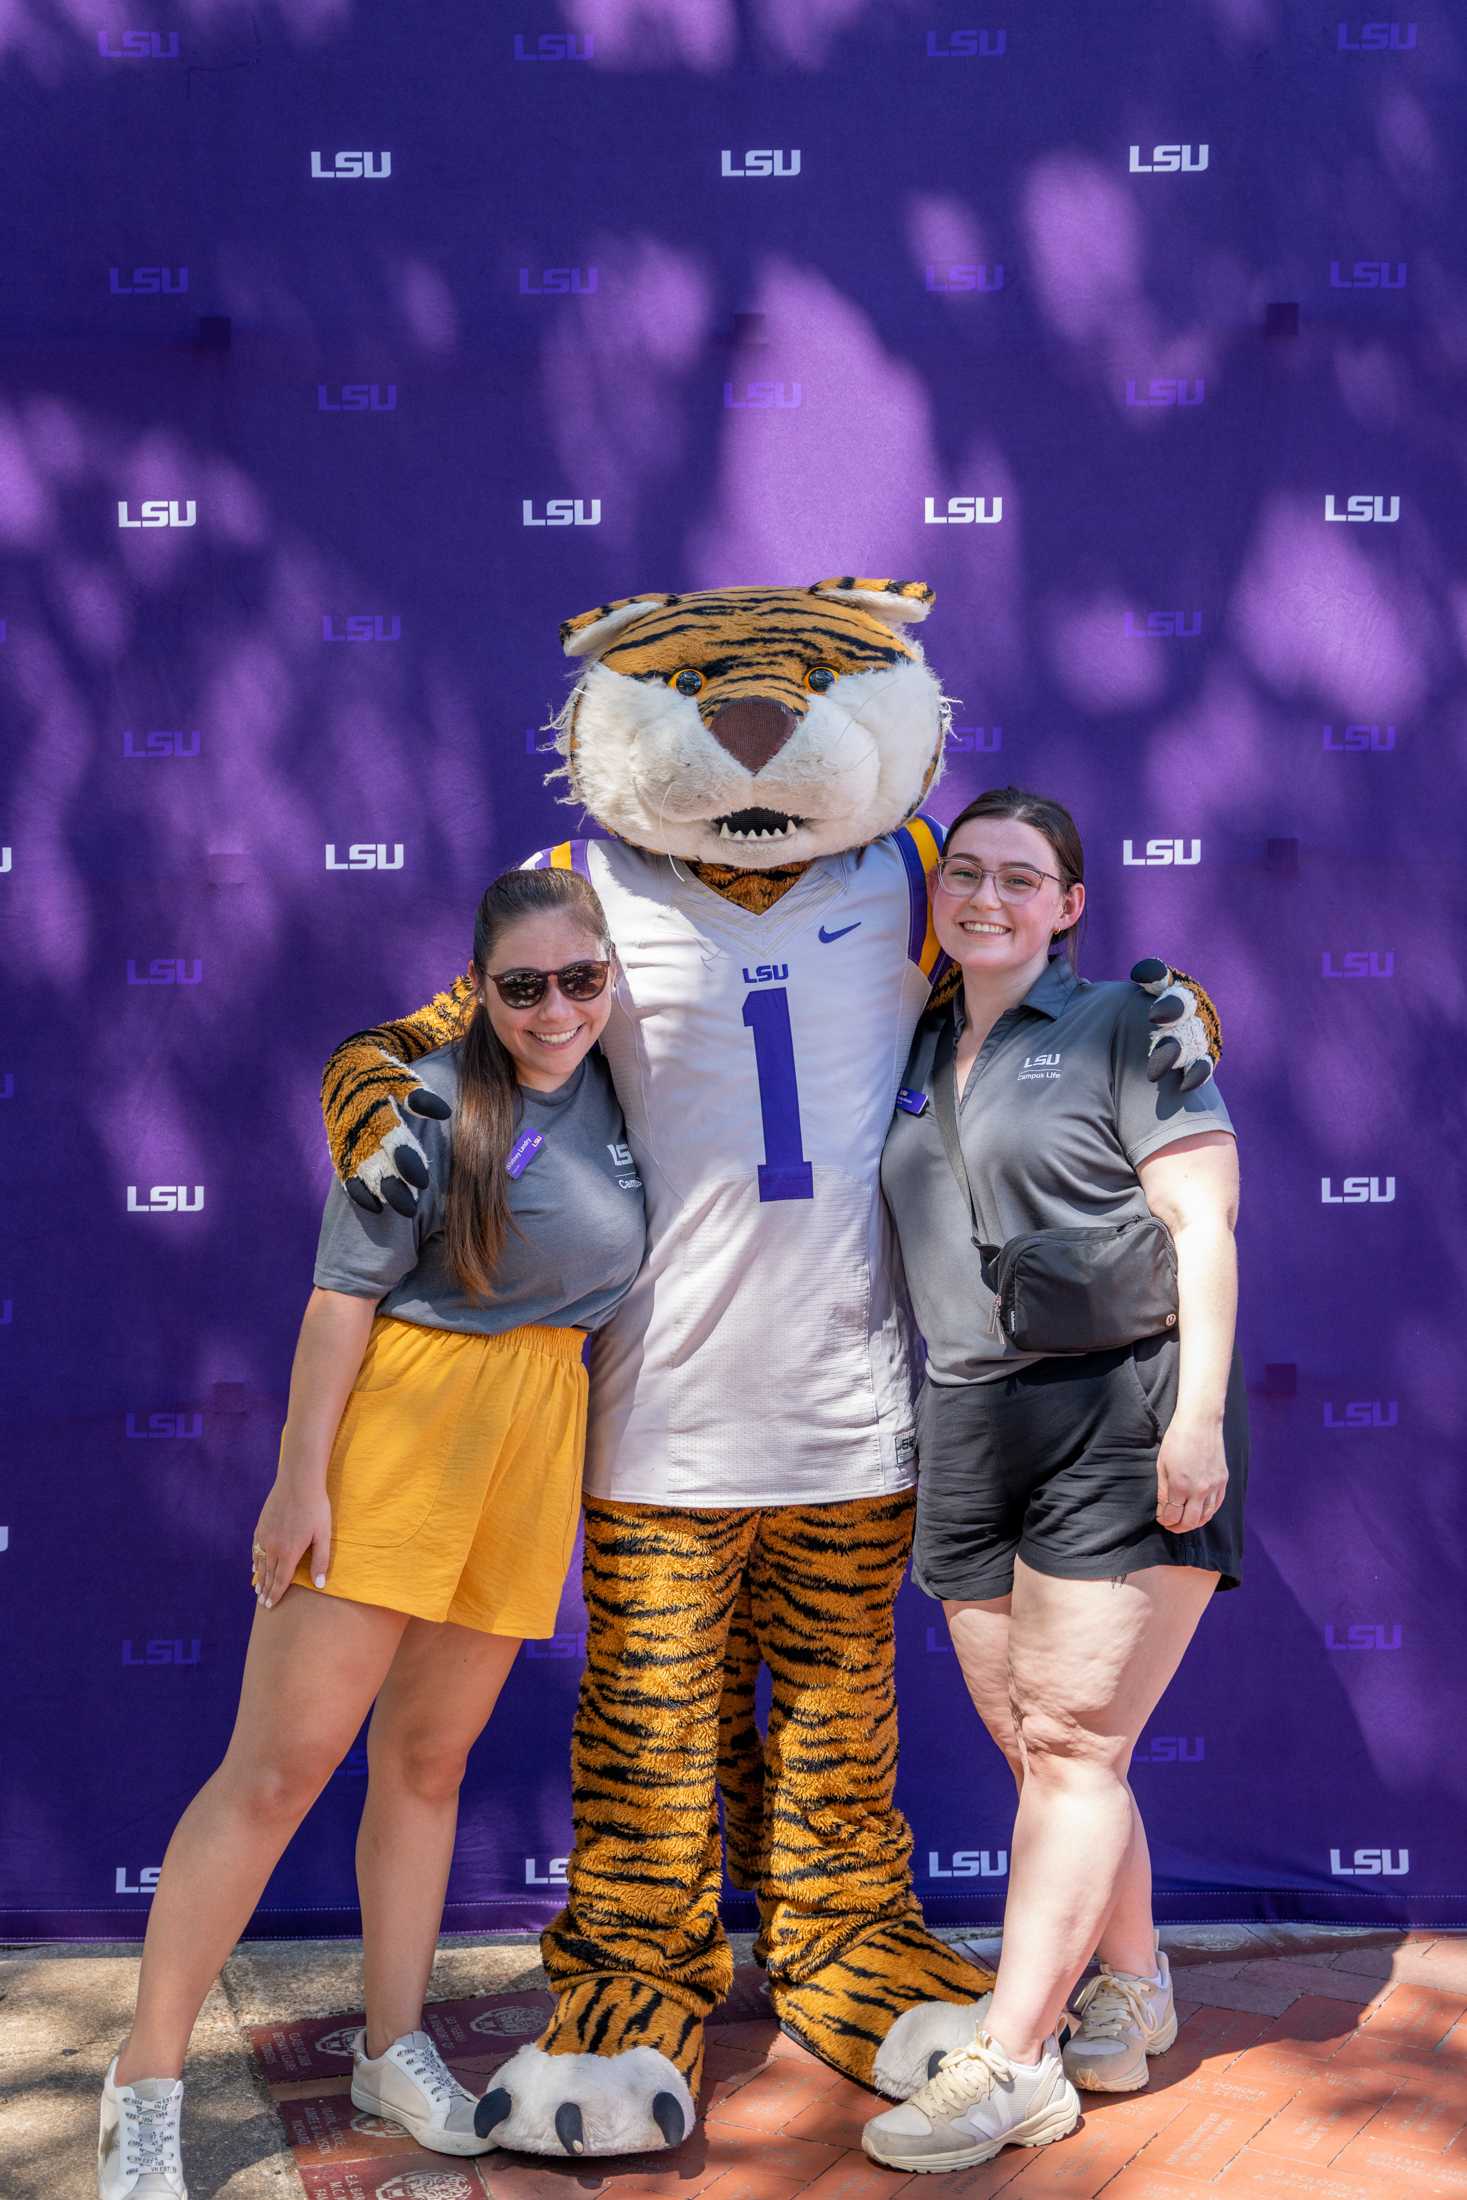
(752, 731)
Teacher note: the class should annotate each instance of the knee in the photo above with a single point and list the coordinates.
(1057, 1744)
(426, 1766)
(279, 1787)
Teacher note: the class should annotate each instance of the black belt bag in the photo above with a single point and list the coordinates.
(1076, 1289)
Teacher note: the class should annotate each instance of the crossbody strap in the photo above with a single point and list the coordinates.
(945, 1108)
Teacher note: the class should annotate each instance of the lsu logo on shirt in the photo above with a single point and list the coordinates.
(1039, 1069)
(621, 1158)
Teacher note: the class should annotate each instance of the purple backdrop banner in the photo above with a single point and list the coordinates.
(347, 350)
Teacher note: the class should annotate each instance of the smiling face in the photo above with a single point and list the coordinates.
(549, 1041)
(754, 726)
(983, 929)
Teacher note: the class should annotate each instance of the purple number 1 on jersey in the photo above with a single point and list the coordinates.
(784, 1172)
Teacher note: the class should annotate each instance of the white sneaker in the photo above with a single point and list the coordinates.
(413, 2085)
(1123, 2019)
(976, 2103)
(137, 2150)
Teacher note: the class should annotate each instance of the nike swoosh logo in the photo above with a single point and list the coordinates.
(827, 937)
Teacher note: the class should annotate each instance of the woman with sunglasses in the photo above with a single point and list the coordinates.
(422, 1517)
(1080, 1491)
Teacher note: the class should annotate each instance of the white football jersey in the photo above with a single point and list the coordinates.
(762, 1355)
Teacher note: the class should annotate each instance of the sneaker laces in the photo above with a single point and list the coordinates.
(431, 2072)
(965, 2076)
(1112, 2004)
(152, 2134)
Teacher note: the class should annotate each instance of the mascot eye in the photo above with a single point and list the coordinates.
(819, 678)
(688, 683)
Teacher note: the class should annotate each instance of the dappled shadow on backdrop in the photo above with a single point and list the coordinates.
(1098, 399)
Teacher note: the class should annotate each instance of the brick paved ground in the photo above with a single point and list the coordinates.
(1308, 2067)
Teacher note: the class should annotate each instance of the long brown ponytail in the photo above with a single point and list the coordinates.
(476, 1218)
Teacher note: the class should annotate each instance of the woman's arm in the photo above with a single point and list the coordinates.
(1192, 1186)
(334, 1332)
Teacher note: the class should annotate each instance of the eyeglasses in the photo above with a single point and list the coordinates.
(960, 875)
(580, 981)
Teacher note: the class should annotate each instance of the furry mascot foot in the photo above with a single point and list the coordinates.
(883, 2007)
(633, 2103)
(919, 2039)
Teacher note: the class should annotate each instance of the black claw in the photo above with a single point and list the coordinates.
(667, 2114)
(1196, 1073)
(492, 2110)
(412, 1167)
(936, 2060)
(1162, 1058)
(569, 2129)
(1148, 972)
(1168, 1010)
(368, 1201)
(423, 1102)
(399, 1197)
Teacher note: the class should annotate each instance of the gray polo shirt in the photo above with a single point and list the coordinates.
(577, 1204)
(1056, 1113)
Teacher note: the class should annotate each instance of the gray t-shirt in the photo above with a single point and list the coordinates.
(1056, 1113)
(577, 1206)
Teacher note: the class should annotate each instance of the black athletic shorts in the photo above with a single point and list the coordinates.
(1057, 1462)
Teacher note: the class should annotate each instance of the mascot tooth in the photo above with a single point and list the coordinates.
(758, 757)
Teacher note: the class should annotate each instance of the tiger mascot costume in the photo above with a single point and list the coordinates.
(759, 757)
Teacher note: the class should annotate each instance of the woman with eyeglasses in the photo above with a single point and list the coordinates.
(422, 1517)
(1082, 1446)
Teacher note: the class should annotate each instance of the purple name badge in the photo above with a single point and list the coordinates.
(523, 1152)
(912, 1103)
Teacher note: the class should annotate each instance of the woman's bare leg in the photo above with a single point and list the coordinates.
(1127, 1940)
(444, 1682)
(980, 1635)
(1088, 1662)
(313, 1666)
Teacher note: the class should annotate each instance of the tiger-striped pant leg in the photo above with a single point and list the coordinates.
(638, 1956)
(847, 1949)
(741, 1750)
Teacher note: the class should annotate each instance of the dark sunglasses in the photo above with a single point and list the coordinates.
(580, 981)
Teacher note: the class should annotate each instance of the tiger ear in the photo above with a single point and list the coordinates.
(899, 603)
(593, 631)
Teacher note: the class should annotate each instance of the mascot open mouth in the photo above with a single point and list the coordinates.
(751, 825)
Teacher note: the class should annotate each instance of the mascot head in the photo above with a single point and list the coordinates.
(753, 727)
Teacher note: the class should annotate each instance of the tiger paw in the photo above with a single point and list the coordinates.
(1186, 1035)
(919, 2039)
(636, 2102)
(396, 1170)
(375, 1100)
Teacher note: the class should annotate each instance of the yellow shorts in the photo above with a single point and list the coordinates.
(455, 1478)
